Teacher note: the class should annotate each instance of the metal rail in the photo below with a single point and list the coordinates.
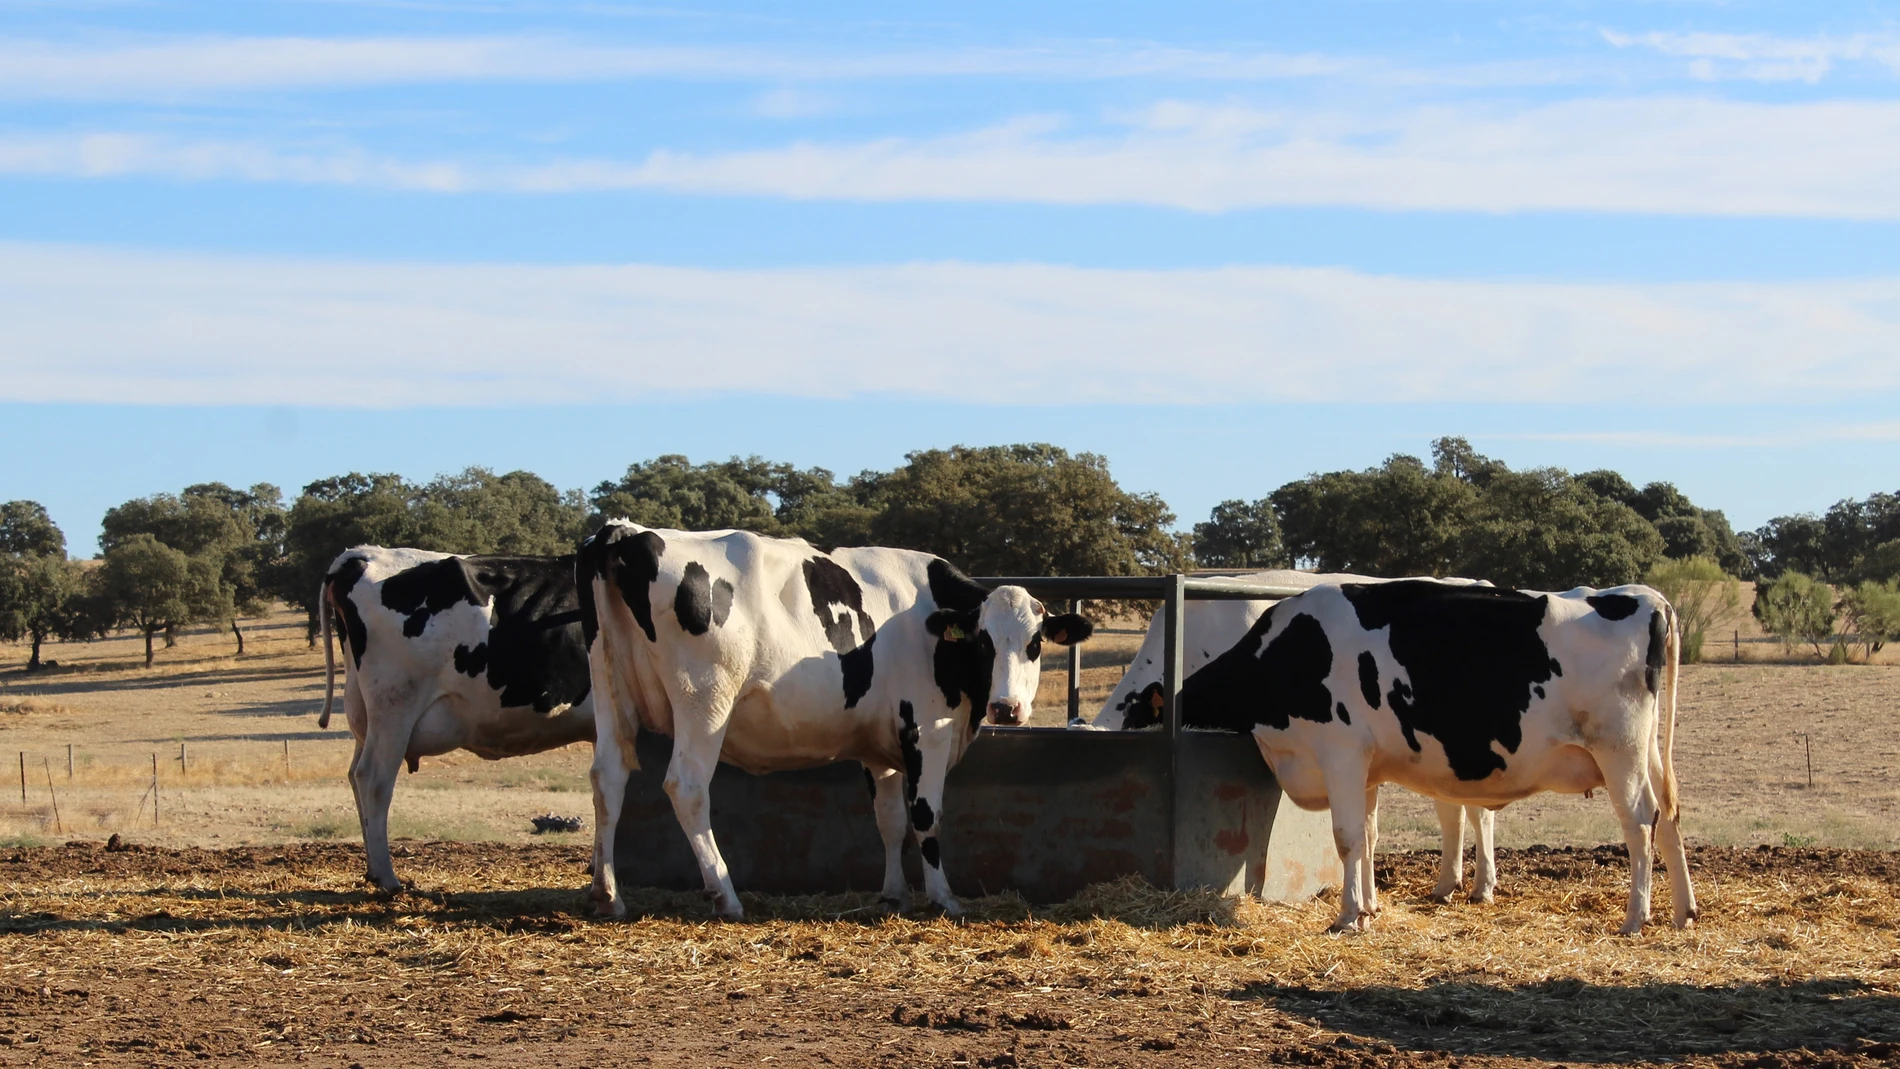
(1173, 591)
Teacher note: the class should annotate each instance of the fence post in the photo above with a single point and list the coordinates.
(69, 761)
(1075, 670)
(58, 825)
(22, 777)
(286, 760)
(1738, 647)
(181, 760)
(154, 789)
(1173, 609)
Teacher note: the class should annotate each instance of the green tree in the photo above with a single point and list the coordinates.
(232, 536)
(27, 530)
(150, 587)
(1795, 607)
(1870, 612)
(1022, 510)
(1240, 535)
(1541, 529)
(478, 511)
(1401, 518)
(1702, 594)
(39, 595)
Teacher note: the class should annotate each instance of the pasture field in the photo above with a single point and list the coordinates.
(278, 955)
(1743, 767)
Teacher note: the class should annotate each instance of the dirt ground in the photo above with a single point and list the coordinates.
(278, 955)
(257, 770)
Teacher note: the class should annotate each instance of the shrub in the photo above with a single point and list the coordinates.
(1702, 594)
(1870, 613)
(1797, 608)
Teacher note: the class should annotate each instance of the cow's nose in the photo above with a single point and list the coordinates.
(1008, 711)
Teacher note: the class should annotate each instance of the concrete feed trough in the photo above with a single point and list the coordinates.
(1043, 811)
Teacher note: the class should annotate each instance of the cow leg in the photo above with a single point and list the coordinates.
(1346, 791)
(927, 810)
(373, 779)
(1669, 844)
(1451, 851)
(1369, 886)
(893, 826)
(688, 783)
(1635, 804)
(614, 760)
(1484, 859)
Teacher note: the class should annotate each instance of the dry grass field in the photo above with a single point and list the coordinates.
(236, 930)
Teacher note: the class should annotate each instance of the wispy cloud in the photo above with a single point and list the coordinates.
(113, 326)
(1764, 57)
(190, 66)
(1680, 155)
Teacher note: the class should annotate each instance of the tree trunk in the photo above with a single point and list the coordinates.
(310, 630)
(235, 630)
(33, 663)
(171, 635)
(148, 649)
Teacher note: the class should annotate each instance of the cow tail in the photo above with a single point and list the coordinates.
(1672, 666)
(329, 654)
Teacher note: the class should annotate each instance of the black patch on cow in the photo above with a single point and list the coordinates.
(907, 749)
(536, 655)
(921, 817)
(951, 589)
(1613, 606)
(1538, 690)
(419, 592)
(1658, 646)
(471, 662)
(933, 856)
(632, 562)
(692, 602)
(721, 602)
(1250, 685)
(870, 784)
(1472, 656)
(1034, 650)
(830, 585)
(1368, 678)
(341, 582)
(1339, 710)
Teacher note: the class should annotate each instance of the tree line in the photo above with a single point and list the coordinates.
(213, 553)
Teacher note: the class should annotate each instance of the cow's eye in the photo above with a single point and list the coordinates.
(1035, 647)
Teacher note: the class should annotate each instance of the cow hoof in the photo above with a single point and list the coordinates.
(1631, 928)
(951, 908)
(1477, 899)
(1444, 898)
(893, 904)
(1344, 927)
(730, 911)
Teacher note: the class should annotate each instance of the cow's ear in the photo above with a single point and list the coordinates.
(950, 625)
(1067, 629)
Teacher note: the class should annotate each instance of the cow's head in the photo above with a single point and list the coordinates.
(1002, 638)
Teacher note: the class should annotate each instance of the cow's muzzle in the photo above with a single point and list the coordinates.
(1006, 713)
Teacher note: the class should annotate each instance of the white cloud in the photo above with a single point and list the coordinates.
(1764, 57)
(190, 66)
(104, 325)
(1678, 155)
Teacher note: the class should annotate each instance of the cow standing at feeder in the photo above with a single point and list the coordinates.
(1468, 694)
(1209, 628)
(443, 653)
(771, 655)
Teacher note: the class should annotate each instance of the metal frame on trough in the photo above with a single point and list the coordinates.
(1043, 811)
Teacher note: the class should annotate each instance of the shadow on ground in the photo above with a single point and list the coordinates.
(1572, 1021)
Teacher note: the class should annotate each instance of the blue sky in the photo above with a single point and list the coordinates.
(1223, 244)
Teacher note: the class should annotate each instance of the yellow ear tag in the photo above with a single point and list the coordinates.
(953, 633)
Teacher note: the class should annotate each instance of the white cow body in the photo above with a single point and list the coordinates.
(444, 653)
(1469, 695)
(1213, 627)
(770, 655)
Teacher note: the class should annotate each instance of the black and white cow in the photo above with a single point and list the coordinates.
(1467, 694)
(444, 653)
(770, 655)
(1213, 627)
